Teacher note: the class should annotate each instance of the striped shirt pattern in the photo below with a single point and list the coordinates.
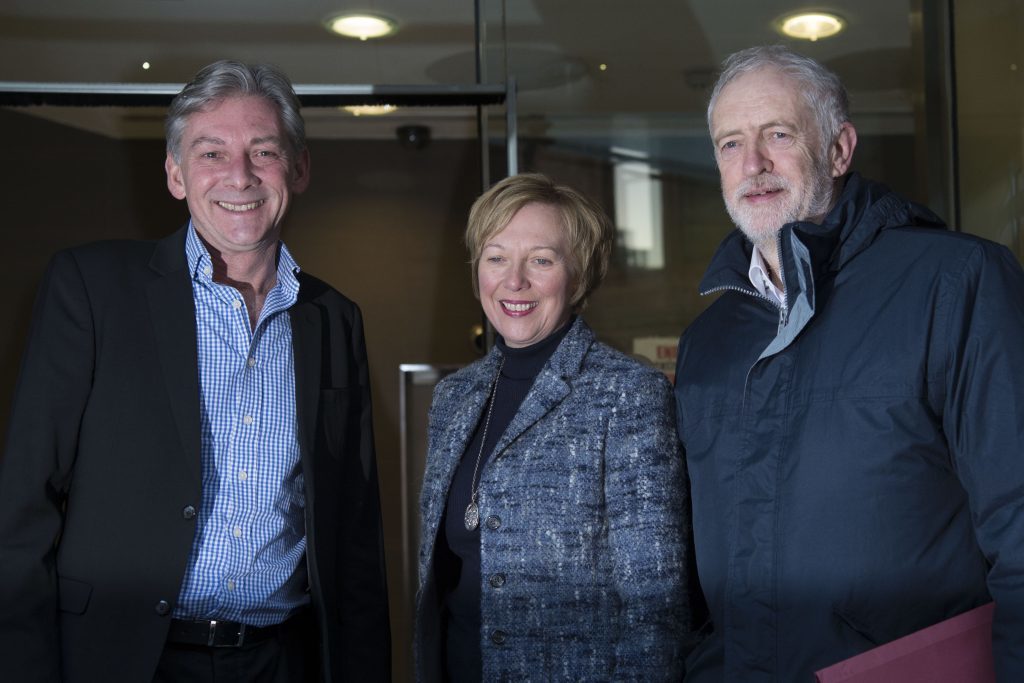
(247, 559)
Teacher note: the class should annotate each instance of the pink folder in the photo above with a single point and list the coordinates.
(954, 650)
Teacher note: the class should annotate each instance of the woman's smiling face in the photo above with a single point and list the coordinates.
(525, 276)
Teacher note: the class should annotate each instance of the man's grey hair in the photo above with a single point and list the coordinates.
(822, 89)
(228, 78)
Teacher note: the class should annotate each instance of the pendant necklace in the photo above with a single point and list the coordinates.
(472, 516)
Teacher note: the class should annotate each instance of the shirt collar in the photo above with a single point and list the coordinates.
(200, 265)
(758, 274)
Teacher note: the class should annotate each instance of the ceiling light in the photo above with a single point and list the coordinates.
(811, 25)
(361, 26)
(370, 109)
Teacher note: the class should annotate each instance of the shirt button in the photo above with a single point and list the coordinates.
(237, 303)
(498, 637)
(231, 585)
(247, 419)
(208, 270)
(497, 580)
(163, 608)
(243, 475)
(493, 522)
(237, 532)
(251, 362)
(188, 512)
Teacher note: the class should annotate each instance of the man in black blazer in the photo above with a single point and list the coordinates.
(189, 487)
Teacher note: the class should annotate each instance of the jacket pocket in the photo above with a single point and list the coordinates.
(73, 596)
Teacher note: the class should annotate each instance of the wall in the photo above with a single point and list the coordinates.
(62, 187)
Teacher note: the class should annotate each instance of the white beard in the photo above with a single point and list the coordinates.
(761, 224)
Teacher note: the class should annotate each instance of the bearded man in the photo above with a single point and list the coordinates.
(851, 405)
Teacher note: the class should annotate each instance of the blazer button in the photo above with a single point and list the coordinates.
(163, 608)
(498, 637)
(497, 580)
(493, 522)
(188, 512)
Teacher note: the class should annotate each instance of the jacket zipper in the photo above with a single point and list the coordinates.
(782, 276)
(734, 288)
(784, 308)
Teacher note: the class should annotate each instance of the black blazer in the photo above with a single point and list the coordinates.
(102, 459)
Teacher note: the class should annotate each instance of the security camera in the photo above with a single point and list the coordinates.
(413, 137)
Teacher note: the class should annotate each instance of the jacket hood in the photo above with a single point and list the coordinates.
(864, 209)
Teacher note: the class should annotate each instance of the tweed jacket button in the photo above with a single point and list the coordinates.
(498, 637)
(497, 580)
(188, 512)
(493, 522)
(163, 608)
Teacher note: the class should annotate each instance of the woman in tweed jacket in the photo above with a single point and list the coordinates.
(555, 529)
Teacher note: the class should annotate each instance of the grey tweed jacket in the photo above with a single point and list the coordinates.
(584, 514)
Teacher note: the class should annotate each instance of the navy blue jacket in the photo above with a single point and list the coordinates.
(857, 458)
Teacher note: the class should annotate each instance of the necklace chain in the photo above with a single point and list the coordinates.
(472, 516)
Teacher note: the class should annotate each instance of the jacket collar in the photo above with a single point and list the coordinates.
(172, 314)
(809, 251)
(553, 383)
(313, 359)
(864, 209)
(468, 393)
(169, 252)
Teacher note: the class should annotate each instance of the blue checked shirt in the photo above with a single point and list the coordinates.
(247, 559)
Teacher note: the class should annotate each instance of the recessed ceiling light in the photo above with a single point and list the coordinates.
(811, 25)
(145, 65)
(370, 109)
(361, 26)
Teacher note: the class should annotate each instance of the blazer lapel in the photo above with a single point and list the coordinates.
(469, 402)
(172, 312)
(307, 349)
(464, 404)
(552, 385)
(461, 409)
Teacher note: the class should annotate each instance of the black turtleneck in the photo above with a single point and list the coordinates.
(457, 554)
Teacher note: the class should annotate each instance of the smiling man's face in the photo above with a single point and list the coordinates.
(237, 172)
(769, 155)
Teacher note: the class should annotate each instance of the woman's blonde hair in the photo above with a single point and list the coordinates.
(588, 230)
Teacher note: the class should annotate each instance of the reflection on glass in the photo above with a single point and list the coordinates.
(990, 108)
(638, 209)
